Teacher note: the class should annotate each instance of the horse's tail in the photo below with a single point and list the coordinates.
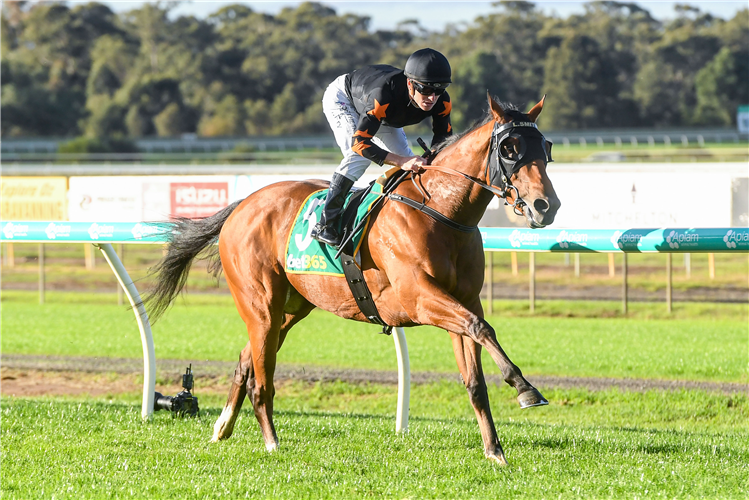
(188, 238)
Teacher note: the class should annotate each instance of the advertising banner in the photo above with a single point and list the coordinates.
(105, 199)
(34, 198)
(598, 196)
(147, 198)
(594, 196)
(198, 199)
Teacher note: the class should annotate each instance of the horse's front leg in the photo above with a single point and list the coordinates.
(427, 303)
(468, 358)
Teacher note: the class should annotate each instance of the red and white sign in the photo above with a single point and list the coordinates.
(198, 199)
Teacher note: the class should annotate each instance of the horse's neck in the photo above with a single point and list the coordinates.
(462, 200)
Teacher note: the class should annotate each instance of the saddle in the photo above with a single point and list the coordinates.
(347, 254)
(388, 182)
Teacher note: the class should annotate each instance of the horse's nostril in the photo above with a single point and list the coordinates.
(541, 205)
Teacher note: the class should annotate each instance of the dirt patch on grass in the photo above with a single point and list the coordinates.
(29, 375)
(36, 383)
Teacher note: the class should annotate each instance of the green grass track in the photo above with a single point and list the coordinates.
(337, 441)
(701, 344)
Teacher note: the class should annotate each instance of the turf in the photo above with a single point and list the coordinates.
(694, 348)
(337, 441)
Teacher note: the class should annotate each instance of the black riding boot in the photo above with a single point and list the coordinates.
(325, 230)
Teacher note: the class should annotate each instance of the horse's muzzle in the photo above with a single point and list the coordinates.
(541, 212)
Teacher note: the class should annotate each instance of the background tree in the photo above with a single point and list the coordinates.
(721, 86)
(77, 70)
(665, 86)
(511, 37)
(581, 85)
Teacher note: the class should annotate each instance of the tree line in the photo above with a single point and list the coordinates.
(85, 70)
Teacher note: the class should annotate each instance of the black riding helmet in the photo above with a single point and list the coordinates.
(430, 67)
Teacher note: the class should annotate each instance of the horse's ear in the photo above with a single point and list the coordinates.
(536, 110)
(497, 111)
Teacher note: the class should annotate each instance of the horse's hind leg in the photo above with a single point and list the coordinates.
(243, 377)
(468, 358)
(262, 390)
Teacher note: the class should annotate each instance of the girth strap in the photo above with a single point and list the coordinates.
(361, 293)
(432, 213)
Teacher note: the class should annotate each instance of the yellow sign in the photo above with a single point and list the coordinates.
(34, 198)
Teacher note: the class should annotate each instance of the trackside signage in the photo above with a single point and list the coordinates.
(33, 198)
(198, 199)
(85, 232)
(617, 240)
(614, 195)
(147, 198)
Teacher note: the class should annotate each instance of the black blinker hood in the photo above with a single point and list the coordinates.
(531, 146)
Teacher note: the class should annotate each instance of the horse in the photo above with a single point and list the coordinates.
(420, 269)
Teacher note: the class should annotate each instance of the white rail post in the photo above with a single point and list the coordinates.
(149, 354)
(404, 381)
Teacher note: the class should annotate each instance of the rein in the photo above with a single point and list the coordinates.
(479, 182)
(499, 167)
(432, 213)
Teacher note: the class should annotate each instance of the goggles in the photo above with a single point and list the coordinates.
(429, 89)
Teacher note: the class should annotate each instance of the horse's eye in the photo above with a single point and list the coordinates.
(510, 149)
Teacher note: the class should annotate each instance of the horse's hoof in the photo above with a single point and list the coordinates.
(270, 448)
(218, 437)
(498, 458)
(531, 398)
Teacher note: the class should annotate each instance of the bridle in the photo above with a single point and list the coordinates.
(512, 146)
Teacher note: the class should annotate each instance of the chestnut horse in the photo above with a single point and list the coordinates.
(419, 270)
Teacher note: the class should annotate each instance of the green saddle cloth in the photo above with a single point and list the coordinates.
(305, 255)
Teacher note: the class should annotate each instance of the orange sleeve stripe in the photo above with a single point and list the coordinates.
(448, 108)
(359, 147)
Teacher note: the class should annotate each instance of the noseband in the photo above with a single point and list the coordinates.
(513, 145)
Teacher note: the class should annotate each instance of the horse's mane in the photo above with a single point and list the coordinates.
(511, 109)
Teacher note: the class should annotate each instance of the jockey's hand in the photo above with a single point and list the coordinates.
(415, 164)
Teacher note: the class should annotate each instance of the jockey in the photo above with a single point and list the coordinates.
(367, 109)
